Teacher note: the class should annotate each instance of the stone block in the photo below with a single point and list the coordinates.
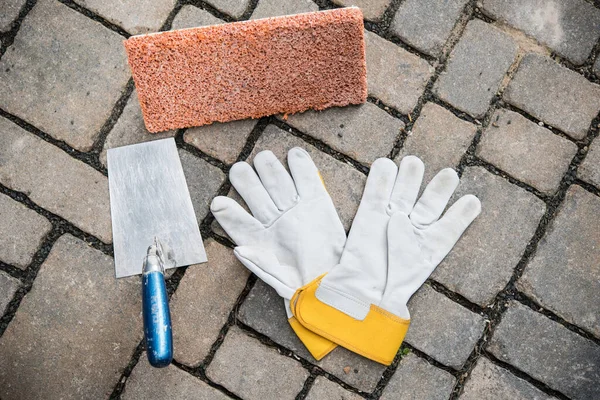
(75, 331)
(136, 17)
(426, 24)
(570, 28)
(54, 180)
(548, 352)
(438, 138)
(8, 288)
(223, 141)
(61, 81)
(484, 258)
(564, 274)
(234, 8)
(415, 378)
(442, 328)
(395, 76)
(276, 8)
(477, 66)
(323, 388)
(363, 132)
(21, 232)
(250, 369)
(263, 311)
(10, 12)
(203, 300)
(148, 383)
(192, 17)
(526, 151)
(554, 94)
(589, 170)
(488, 378)
(372, 9)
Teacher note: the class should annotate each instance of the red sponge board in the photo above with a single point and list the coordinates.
(249, 69)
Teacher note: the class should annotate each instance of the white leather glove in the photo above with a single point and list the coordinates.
(294, 231)
(393, 247)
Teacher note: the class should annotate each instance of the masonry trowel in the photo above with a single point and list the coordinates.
(154, 229)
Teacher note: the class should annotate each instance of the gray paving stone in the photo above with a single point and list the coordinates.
(426, 24)
(191, 17)
(201, 305)
(275, 8)
(148, 383)
(439, 138)
(263, 311)
(222, 141)
(394, 75)
(548, 352)
(477, 65)
(54, 180)
(250, 369)
(203, 181)
(344, 183)
(554, 94)
(372, 9)
(235, 8)
(564, 274)
(484, 258)
(526, 151)
(8, 288)
(488, 381)
(21, 232)
(589, 170)
(59, 80)
(323, 388)
(416, 379)
(569, 27)
(442, 328)
(130, 129)
(75, 331)
(364, 132)
(10, 12)
(136, 17)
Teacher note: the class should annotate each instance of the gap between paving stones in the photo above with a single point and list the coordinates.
(378, 27)
(7, 38)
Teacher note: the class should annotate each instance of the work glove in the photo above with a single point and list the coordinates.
(393, 247)
(294, 230)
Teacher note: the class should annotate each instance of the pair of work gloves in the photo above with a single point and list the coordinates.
(343, 291)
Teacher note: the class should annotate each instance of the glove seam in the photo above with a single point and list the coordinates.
(347, 296)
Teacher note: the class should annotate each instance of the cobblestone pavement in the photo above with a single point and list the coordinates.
(505, 91)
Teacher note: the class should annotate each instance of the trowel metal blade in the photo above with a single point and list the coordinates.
(149, 198)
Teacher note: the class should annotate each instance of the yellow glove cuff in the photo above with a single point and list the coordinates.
(317, 345)
(377, 337)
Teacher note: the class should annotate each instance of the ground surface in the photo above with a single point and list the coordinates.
(505, 91)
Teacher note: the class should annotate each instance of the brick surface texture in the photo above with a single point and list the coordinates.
(506, 92)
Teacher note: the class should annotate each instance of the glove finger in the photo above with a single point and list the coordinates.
(307, 178)
(408, 183)
(263, 263)
(380, 184)
(276, 180)
(238, 224)
(246, 182)
(435, 197)
(445, 233)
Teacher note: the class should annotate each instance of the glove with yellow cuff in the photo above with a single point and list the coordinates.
(294, 233)
(394, 244)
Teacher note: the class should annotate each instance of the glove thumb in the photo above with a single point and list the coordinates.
(264, 264)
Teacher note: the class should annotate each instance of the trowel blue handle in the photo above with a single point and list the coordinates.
(157, 319)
